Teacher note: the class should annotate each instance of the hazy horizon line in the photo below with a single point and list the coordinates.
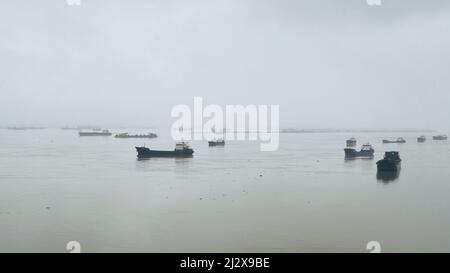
(282, 130)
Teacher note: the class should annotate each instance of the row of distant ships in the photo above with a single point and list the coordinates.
(391, 161)
(104, 132)
(182, 149)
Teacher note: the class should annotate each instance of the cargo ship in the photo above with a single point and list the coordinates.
(441, 137)
(126, 135)
(367, 151)
(390, 163)
(182, 149)
(96, 133)
(398, 140)
(219, 142)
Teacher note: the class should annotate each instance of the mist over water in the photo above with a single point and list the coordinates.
(328, 64)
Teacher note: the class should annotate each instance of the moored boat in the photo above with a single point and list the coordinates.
(398, 140)
(440, 137)
(219, 142)
(351, 142)
(421, 139)
(95, 133)
(126, 135)
(390, 163)
(182, 149)
(366, 151)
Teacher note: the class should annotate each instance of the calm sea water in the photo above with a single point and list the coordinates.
(57, 187)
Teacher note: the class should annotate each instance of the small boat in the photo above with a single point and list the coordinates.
(441, 137)
(126, 135)
(398, 140)
(351, 142)
(219, 142)
(367, 151)
(182, 149)
(421, 139)
(96, 133)
(390, 163)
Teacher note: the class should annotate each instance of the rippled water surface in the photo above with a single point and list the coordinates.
(57, 187)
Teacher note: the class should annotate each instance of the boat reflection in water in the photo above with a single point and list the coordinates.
(387, 177)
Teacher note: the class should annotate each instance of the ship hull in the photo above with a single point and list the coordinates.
(144, 152)
(388, 166)
(214, 143)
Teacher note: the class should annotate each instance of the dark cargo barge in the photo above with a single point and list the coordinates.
(181, 150)
(219, 142)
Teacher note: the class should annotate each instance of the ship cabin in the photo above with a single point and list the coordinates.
(181, 146)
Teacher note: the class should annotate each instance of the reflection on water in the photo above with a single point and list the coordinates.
(163, 164)
(183, 160)
(387, 177)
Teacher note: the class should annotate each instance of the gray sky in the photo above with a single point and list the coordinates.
(327, 63)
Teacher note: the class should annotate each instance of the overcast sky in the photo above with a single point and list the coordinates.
(327, 63)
